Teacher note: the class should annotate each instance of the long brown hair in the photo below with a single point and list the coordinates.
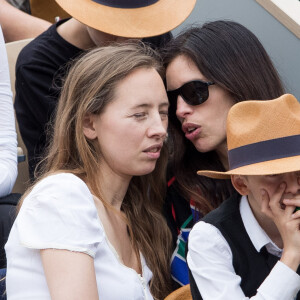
(230, 55)
(88, 87)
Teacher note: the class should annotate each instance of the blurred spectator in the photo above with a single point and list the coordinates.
(8, 154)
(23, 5)
(8, 136)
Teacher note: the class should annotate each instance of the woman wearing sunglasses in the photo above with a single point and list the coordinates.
(209, 68)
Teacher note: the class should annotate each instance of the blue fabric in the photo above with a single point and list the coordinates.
(2, 284)
(179, 271)
(179, 268)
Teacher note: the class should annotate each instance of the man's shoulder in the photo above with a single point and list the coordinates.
(49, 48)
(34, 50)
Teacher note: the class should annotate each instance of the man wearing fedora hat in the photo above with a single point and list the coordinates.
(40, 65)
(250, 245)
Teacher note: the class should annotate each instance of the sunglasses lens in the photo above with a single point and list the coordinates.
(172, 96)
(194, 92)
(172, 104)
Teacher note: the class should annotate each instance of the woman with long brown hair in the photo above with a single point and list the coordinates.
(208, 69)
(87, 229)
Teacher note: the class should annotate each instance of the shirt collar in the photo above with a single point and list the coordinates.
(257, 235)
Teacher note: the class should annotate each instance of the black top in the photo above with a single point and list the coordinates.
(39, 69)
(252, 266)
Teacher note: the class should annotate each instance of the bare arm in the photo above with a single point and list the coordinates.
(17, 25)
(69, 275)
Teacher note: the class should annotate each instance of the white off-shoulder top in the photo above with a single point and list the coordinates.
(60, 213)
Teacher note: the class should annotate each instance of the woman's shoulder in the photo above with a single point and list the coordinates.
(64, 209)
(63, 189)
(59, 176)
(61, 182)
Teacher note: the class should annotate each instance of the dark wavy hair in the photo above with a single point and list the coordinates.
(230, 55)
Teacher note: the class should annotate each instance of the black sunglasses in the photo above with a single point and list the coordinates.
(193, 92)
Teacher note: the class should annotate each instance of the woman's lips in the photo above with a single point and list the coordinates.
(191, 131)
(153, 152)
(193, 134)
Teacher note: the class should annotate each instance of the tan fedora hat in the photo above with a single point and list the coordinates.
(130, 18)
(263, 138)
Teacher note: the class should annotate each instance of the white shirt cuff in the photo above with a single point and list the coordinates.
(282, 283)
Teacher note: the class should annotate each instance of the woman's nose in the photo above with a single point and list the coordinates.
(158, 128)
(183, 108)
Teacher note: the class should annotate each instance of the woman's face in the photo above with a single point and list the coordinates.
(205, 124)
(132, 128)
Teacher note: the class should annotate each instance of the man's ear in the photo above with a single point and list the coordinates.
(240, 184)
(88, 127)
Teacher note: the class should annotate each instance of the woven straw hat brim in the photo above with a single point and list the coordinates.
(277, 166)
(153, 20)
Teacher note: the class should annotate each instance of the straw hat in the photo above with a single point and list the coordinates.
(263, 138)
(130, 18)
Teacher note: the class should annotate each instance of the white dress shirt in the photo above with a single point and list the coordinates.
(8, 136)
(210, 261)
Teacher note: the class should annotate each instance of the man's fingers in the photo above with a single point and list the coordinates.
(296, 215)
(276, 198)
(295, 201)
(265, 207)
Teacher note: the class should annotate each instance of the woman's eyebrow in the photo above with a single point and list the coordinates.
(144, 105)
(147, 105)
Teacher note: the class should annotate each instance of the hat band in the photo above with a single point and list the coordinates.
(264, 151)
(126, 3)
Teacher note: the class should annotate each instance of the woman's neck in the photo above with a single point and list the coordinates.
(223, 155)
(113, 187)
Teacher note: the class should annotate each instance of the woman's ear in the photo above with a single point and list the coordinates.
(88, 127)
(240, 184)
